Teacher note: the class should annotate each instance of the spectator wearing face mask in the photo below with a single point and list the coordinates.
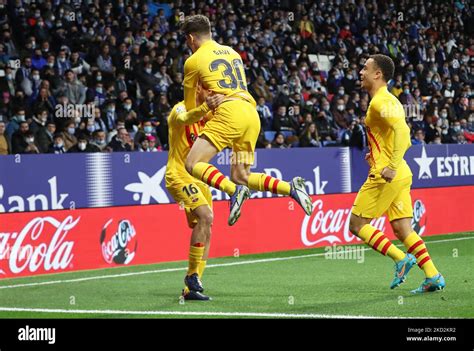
(110, 115)
(99, 139)
(83, 145)
(406, 98)
(96, 94)
(62, 63)
(89, 128)
(30, 145)
(146, 129)
(68, 135)
(5, 146)
(341, 117)
(14, 124)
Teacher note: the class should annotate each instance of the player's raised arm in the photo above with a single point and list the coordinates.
(191, 80)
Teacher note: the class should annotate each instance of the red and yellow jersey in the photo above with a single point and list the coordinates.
(218, 68)
(181, 139)
(388, 136)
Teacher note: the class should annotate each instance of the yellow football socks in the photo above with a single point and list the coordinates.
(379, 242)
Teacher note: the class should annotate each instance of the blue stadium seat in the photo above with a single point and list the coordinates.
(269, 135)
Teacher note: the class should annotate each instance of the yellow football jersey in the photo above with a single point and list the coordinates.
(218, 68)
(388, 136)
(181, 138)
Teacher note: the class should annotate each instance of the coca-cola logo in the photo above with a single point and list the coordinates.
(32, 247)
(331, 226)
(121, 247)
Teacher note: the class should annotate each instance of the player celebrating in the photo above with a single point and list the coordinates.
(235, 124)
(190, 193)
(387, 188)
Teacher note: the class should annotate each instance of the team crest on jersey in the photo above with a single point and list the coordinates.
(180, 109)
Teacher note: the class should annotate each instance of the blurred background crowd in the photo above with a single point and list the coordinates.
(120, 65)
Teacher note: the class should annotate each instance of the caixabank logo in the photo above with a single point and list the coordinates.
(119, 247)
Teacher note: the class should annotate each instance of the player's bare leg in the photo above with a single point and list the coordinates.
(241, 174)
(199, 251)
(197, 164)
(417, 253)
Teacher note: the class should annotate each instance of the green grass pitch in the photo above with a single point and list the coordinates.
(289, 284)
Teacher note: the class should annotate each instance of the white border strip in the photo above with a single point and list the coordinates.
(208, 314)
(166, 270)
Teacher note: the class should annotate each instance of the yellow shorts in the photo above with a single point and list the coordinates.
(236, 125)
(375, 199)
(190, 194)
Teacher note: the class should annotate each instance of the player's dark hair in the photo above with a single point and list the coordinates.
(385, 64)
(196, 24)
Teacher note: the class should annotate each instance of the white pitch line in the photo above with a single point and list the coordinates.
(209, 314)
(217, 265)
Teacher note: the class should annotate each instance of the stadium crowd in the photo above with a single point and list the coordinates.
(122, 62)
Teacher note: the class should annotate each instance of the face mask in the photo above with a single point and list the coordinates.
(30, 140)
(255, 64)
(428, 80)
(444, 114)
(9, 76)
(82, 146)
(326, 107)
(99, 90)
(270, 53)
(340, 107)
(148, 129)
(100, 142)
(148, 70)
(62, 59)
(77, 120)
(71, 130)
(60, 145)
(99, 78)
(127, 107)
(91, 128)
(457, 128)
(407, 91)
(350, 77)
(112, 109)
(20, 118)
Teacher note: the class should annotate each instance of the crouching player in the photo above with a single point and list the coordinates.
(193, 195)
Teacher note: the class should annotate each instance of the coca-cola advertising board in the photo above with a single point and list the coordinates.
(43, 242)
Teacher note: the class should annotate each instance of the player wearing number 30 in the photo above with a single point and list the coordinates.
(235, 123)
